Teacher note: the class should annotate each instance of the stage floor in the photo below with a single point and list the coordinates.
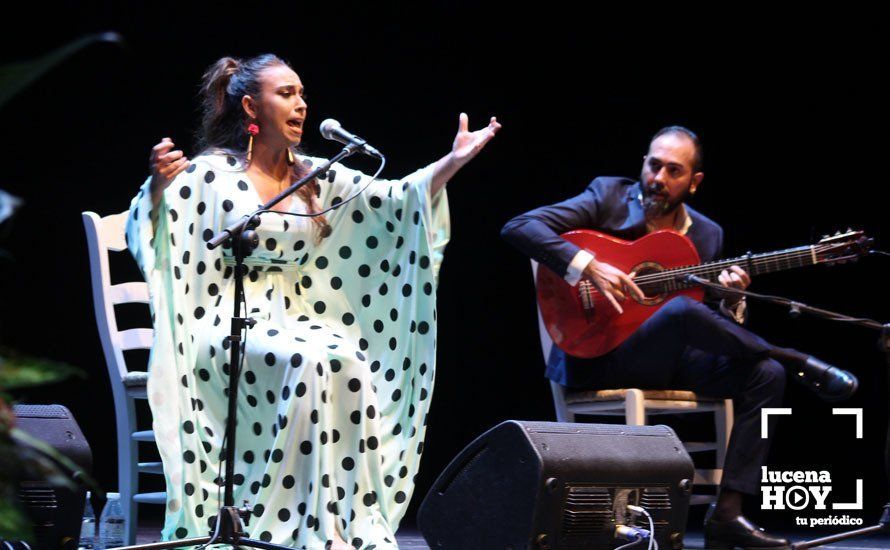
(409, 538)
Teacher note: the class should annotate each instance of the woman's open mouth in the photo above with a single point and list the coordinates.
(296, 124)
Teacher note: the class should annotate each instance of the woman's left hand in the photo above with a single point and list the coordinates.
(467, 144)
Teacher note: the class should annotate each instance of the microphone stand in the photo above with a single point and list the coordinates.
(795, 309)
(230, 519)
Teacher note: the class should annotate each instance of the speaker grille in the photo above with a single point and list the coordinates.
(40, 411)
(587, 511)
(657, 501)
(37, 495)
(655, 498)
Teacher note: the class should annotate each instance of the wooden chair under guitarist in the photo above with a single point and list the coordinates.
(636, 406)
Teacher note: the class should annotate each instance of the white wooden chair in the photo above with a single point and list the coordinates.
(637, 405)
(104, 235)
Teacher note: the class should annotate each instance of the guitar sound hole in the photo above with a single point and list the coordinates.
(654, 291)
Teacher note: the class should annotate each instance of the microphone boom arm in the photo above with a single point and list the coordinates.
(794, 308)
(239, 226)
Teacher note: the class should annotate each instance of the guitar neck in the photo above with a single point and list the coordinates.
(755, 264)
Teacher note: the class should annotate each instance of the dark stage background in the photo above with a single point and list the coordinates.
(790, 109)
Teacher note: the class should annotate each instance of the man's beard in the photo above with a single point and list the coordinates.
(656, 205)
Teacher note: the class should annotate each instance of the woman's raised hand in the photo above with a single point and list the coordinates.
(467, 144)
(165, 164)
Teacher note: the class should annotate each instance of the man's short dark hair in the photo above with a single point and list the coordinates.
(697, 161)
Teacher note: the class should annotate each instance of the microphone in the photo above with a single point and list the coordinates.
(690, 279)
(695, 280)
(331, 129)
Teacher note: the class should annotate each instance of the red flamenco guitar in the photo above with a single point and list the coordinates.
(583, 323)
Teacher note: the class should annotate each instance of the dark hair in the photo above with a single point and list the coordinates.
(224, 121)
(698, 160)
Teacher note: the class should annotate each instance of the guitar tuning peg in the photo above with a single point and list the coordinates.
(849, 230)
(836, 233)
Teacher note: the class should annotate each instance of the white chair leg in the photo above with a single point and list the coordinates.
(563, 414)
(127, 469)
(723, 420)
(635, 408)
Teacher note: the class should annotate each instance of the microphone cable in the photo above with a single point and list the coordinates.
(631, 544)
(653, 544)
(333, 206)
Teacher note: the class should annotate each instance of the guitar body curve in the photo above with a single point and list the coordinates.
(580, 320)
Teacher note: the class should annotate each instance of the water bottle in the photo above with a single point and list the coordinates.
(111, 523)
(88, 526)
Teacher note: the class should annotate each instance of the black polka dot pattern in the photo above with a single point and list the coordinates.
(345, 328)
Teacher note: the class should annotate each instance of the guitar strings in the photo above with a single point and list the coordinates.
(783, 259)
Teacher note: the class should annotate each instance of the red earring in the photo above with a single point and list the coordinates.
(252, 130)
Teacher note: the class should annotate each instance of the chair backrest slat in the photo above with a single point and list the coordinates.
(135, 338)
(112, 231)
(104, 235)
(128, 293)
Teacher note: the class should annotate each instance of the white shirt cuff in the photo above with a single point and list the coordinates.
(738, 312)
(576, 267)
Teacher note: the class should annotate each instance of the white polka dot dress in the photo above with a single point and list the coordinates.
(338, 370)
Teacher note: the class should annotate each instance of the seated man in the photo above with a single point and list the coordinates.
(685, 344)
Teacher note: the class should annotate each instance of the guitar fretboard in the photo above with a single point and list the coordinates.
(670, 280)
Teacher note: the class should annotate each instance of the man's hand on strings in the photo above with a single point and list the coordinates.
(613, 283)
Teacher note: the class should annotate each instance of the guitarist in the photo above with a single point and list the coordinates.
(686, 344)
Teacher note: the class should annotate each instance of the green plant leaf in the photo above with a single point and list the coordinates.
(14, 524)
(18, 370)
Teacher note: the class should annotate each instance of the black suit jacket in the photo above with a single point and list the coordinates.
(611, 205)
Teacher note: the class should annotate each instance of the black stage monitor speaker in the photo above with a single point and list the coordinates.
(556, 485)
(55, 512)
